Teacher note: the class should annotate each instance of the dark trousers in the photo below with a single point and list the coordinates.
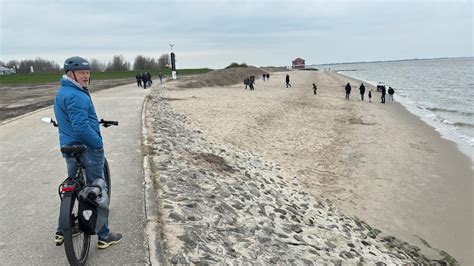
(382, 98)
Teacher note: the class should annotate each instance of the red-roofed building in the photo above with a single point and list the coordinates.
(298, 63)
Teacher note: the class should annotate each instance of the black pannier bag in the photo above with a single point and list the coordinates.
(87, 215)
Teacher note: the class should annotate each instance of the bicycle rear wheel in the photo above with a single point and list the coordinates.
(76, 243)
(108, 181)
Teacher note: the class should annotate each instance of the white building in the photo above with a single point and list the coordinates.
(6, 70)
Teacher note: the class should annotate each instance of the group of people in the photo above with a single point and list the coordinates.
(249, 81)
(383, 90)
(380, 88)
(144, 80)
(266, 76)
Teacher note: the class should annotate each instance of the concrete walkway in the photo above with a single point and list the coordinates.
(31, 168)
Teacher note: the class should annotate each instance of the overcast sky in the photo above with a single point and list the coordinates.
(215, 33)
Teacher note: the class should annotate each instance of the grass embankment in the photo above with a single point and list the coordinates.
(37, 78)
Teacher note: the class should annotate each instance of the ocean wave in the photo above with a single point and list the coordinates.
(447, 122)
(439, 109)
(421, 107)
(462, 124)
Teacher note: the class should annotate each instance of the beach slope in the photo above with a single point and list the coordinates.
(293, 170)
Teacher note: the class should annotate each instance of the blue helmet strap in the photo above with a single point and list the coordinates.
(74, 74)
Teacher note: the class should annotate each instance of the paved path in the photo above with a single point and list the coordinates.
(31, 168)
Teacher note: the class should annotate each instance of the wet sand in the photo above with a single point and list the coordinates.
(377, 162)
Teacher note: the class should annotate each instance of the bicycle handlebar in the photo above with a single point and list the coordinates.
(108, 123)
(105, 123)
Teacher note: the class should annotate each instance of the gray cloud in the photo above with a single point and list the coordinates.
(215, 33)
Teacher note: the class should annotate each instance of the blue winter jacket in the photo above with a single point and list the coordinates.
(76, 116)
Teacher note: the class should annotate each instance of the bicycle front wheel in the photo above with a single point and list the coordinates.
(76, 243)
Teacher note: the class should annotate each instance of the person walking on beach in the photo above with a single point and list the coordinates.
(78, 125)
(391, 91)
(161, 77)
(268, 76)
(287, 79)
(246, 82)
(370, 96)
(315, 88)
(145, 80)
(139, 80)
(148, 76)
(348, 90)
(382, 98)
(264, 76)
(251, 81)
(362, 91)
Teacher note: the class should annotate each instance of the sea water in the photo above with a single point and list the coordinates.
(440, 91)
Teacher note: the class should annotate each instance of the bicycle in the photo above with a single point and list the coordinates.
(76, 241)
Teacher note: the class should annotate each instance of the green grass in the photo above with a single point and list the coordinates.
(37, 78)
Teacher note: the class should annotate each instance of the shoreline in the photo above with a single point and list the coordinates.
(337, 153)
(461, 143)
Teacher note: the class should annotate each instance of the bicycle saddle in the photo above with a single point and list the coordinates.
(75, 149)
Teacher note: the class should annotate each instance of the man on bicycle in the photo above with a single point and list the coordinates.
(78, 125)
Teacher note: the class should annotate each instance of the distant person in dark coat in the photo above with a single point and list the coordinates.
(264, 76)
(315, 88)
(362, 91)
(246, 82)
(287, 80)
(348, 90)
(390, 91)
(370, 96)
(161, 77)
(145, 80)
(148, 76)
(139, 80)
(382, 98)
(251, 81)
(268, 76)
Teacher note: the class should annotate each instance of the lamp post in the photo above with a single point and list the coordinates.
(173, 63)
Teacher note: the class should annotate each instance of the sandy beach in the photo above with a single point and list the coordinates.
(374, 161)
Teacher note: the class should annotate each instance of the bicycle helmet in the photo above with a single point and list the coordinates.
(76, 63)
